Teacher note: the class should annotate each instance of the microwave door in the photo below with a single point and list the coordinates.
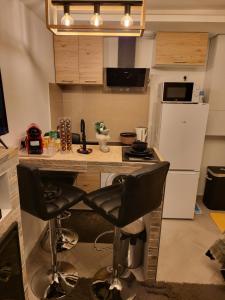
(178, 91)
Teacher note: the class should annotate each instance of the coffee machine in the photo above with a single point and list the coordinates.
(34, 143)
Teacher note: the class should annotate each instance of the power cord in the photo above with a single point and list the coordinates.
(98, 237)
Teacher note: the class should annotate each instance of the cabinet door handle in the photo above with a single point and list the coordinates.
(67, 80)
(90, 81)
(180, 62)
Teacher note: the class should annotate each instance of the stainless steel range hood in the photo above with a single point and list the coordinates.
(125, 77)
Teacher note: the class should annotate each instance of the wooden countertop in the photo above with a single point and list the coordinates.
(6, 157)
(6, 154)
(97, 160)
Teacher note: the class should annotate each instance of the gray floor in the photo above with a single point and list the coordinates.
(181, 258)
(182, 249)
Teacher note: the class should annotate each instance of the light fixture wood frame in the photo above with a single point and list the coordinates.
(111, 29)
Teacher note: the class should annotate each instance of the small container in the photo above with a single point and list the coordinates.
(201, 96)
(127, 138)
(65, 130)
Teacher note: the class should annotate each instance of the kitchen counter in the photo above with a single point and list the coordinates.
(110, 162)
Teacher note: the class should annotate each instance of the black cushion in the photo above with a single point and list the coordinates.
(59, 198)
(140, 193)
(106, 201)
(45, 201)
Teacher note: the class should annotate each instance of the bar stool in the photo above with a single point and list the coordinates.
(66, 238)
(121, 204)
(47, 204)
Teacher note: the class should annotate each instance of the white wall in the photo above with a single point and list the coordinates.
(27, 67)
(214, 149)
(26, 62)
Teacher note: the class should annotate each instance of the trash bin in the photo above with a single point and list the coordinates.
(214, 194)
(132, 249)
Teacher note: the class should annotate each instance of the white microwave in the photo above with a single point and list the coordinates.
(180, 92)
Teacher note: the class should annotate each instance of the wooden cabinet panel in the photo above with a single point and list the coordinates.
(89, 182)
(181, 48)
(91, 60)
(66, 59)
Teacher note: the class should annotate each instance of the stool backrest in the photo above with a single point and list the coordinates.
(143, 192)
(31, 190)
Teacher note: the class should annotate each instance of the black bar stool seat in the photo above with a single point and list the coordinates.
(59, 198)
(121, 204)
(46, 202)
(67, 238)
(107, 202)
(139, 194)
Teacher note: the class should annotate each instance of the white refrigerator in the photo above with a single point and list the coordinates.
(180, 139)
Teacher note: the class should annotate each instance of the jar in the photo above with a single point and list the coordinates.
(127, 138)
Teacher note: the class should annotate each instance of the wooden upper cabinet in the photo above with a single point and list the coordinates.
(181, 48)
(78, 60)
(91, 60)
(66, 59)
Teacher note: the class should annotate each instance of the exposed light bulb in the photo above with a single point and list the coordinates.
(67, 19)
(126, 20)
(96, 20)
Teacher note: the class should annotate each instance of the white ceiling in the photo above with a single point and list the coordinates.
(157, 4)
(215, 26)
(186, 4)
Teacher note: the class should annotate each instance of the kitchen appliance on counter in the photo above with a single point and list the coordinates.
(182, 92)
(148, 155)
(180, 139)
(34, 143)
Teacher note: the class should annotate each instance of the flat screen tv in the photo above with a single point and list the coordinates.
(3, 117)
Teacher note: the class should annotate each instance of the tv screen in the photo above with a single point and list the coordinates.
(3, 118)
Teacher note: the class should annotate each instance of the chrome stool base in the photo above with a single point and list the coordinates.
(105, 287)
(107, 282)
(45, 285)
(103, 290)
(66, 240)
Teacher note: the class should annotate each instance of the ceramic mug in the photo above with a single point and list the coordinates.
(142, 133)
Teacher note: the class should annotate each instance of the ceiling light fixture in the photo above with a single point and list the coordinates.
(96, 19)
(116, 13)
(126, 20)
(67, 19)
